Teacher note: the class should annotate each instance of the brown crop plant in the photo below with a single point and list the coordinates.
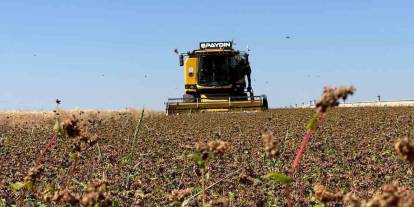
(405, 149)
(220, 202)
(270, 144)
(324, 195)
(80, 141)
(1, 144)
(353, 152)
(331, 96)
(33, 174)
(205, 153)
(329, 99)
(390, 195)
(179, 195)
(218, 147)
(95, 194)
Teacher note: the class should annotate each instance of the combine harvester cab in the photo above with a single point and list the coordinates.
(216, 79)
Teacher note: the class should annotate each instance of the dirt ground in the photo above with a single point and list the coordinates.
(351, 152)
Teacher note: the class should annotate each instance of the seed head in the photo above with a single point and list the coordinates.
(1, 142)
(95, 194)
(323, 195)
(331, 96)
(88, 138)
(405, 149)
(269, 142)
(246, 179)
(202, 149)
(71, 128)
(218, 147)
(179, 195)
(392, 195)
(66, 196)
(351, 200)
(220, 202)
(33, 173)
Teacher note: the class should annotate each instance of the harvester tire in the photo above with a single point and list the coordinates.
(265, 103)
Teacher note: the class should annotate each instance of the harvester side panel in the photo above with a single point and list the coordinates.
(190, 71)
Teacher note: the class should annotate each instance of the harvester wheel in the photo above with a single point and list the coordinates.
(265, 104)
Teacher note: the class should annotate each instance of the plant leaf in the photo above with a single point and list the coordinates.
(3, 202)
(73, 156)
(58, 126)
(313, 123)
(17, 186)
(278, 177)
(198, 159)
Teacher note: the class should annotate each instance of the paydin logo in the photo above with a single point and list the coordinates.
(205, 45)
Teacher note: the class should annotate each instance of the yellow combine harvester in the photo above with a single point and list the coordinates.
(215, 80)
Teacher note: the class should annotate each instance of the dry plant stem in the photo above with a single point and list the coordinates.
(20, 200)
(203, 191)
(49, 144)
(99, 152)
(52, 140)
(70, 173)
(182, 175)
(137, 129)
(212, 185)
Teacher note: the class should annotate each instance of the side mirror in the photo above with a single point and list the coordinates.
(181, 57)
(246, 56)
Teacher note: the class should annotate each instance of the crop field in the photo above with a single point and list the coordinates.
(150, 164)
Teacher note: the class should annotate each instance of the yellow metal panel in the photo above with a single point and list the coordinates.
(190, 71)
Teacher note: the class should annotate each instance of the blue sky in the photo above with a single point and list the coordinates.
(114, 54)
